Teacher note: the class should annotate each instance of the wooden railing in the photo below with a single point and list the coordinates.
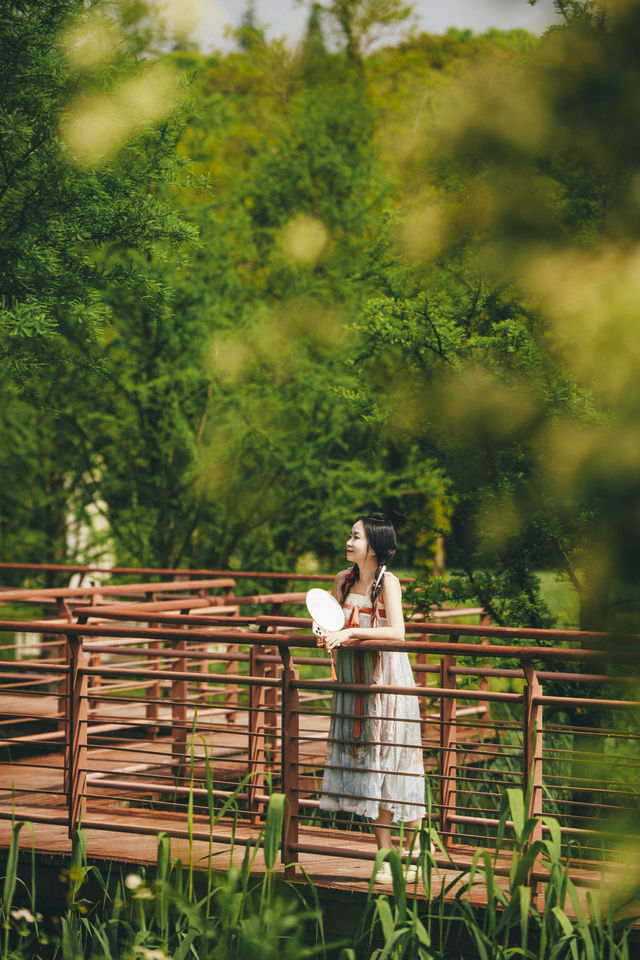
(229, 708)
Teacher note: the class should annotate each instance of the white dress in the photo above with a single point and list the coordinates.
(374, 754)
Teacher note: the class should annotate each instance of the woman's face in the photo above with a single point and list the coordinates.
(357, 545)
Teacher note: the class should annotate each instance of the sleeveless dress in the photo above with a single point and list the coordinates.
(374, 754)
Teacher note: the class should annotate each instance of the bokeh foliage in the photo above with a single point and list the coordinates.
(530, 166)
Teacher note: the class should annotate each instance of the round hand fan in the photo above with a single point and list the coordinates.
(326, 612)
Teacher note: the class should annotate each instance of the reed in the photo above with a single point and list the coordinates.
(179, 912)
(513, 923)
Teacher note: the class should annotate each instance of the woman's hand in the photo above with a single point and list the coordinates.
(336, 638)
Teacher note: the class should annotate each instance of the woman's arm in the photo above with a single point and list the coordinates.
(391, 597)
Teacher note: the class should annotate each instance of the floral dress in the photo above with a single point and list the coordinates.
(374, 754)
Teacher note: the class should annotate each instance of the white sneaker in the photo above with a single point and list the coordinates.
(384, 874)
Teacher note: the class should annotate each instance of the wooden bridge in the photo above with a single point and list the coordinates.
(182, 704)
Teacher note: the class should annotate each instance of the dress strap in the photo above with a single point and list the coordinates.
(381, 613)
(353, 620)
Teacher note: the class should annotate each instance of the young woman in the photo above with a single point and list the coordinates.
(374, 764)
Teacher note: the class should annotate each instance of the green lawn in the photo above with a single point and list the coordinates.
(561, 598)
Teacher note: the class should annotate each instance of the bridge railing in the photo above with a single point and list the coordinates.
(189, 725)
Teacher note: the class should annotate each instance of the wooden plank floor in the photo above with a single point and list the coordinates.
(120, 847)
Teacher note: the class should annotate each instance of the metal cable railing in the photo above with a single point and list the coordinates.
(190, 724)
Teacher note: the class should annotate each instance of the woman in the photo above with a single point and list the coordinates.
(374, 764)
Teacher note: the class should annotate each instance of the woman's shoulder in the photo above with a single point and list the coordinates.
(391, 581)
(338, 580)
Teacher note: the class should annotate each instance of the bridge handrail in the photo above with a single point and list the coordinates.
(167, 571)
(600, 639)
(38, 594)
(91, 639)
(480, 650)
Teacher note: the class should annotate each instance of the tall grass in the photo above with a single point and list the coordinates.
(161, 913)
(516, 920)
(170, 912)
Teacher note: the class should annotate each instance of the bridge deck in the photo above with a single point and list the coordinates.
(112, 843)
(104, 728)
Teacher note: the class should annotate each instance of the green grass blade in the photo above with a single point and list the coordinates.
(386, 917)
(71, 944)
(185, 946)
(318, 911)
(399, 886)
(161, 885)
(9, 887)
(567, 929)
(525, 904)
(517, 808)
(273, 829)
(502, 825)
(554, 844)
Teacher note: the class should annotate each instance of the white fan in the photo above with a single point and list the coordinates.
(326, 612)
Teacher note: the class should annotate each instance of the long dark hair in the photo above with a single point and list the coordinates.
(381, 538)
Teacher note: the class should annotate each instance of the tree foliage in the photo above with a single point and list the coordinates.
(55, 217)
(73, 235)
(332, 280)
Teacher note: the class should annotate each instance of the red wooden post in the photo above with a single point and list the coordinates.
(64, 690)
(68, 707)
(483, 684)
(290, 759)
(152, 710)
(179, 692)
(448, 757)
(231, 667)
(77, 746)
(95, 659)
(270, 697)
(154, 692)
(532, 744)
(231, 695)
(422, 660)
(257, 753)
(271, 704)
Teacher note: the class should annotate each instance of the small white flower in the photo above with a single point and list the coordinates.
(149, 954)
(132, 881)
(24, 914)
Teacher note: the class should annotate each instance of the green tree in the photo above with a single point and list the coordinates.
(456, 376)
(249, 34)
(55, 216)
(286, 455)
(74, 230)
(360, 23)
(243, 398)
